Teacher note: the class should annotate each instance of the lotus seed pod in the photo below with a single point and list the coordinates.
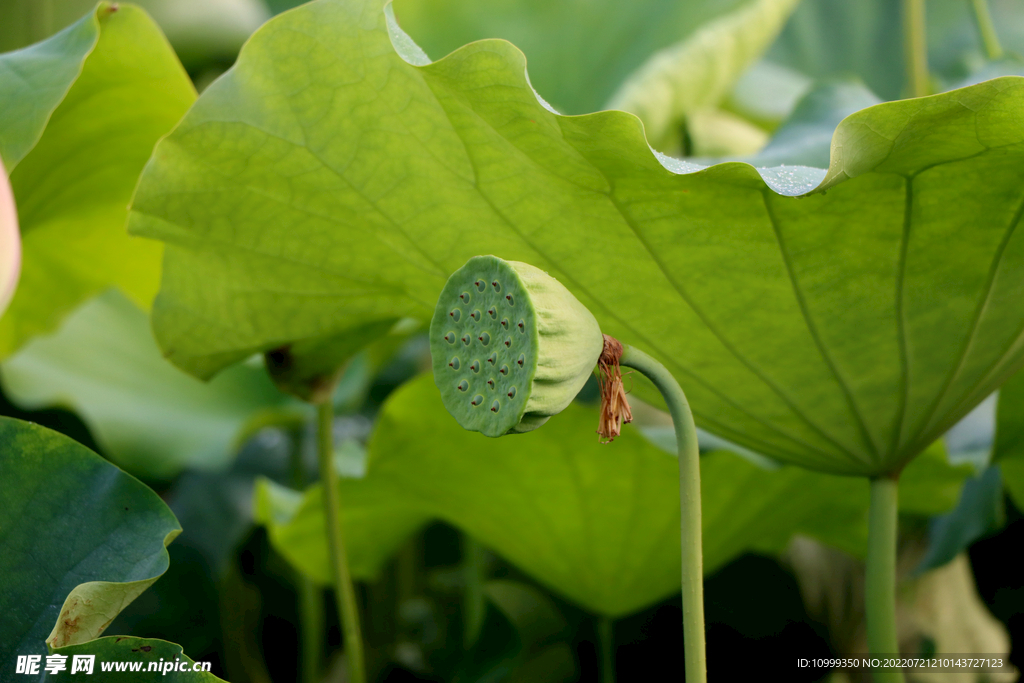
(510, 346)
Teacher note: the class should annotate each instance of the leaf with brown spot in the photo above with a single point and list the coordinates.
(70, 557)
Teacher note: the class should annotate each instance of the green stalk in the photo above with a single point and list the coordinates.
(311, 615)
(311, 606)
(689, 494)
(344, 592)
(473, 604)
(986, 29)
(915, 47)
(880, 583)
(606, 633)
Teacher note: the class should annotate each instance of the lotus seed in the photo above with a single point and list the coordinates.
(465, 297)
(494, 407)
(475, 367)
(466, 339)
(463, 385)
(490, 383)
(456, 314)
(479, 285)
(522, 359)
(450, 337)
(477, 400)
(475, 315)
(492, 358)
(503, 370)
(493, 312)
(510, 300)
(512, 392)
(508, 342)
(522, 326)
(497, 287)
(454, 364)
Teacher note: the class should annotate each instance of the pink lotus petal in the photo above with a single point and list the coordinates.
(10, 242)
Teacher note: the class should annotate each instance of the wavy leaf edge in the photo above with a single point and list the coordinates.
(787, 181)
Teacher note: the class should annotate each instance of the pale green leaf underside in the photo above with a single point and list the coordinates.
(79, 540)
(698, 72)
(149, 417)
(325, 182)
(597, 523)
(90, 103)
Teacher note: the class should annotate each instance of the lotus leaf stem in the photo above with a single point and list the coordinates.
(880, 582)
(915, 48)
(474, 605)
(344, 592)
(606, 634)
(986, 29)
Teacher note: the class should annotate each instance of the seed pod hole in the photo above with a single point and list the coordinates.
(508, 342)
(496, 285)
(503, 370)
(504, 323)
(465, 297)
(492, 359)
(466, 339)
(477, 400)
(493, 312)
(475, 366)
(495, 406)
(512, 392)
(454, 363)
(522, 360)
(522, 326)
(475, 315)
(484, 338)
(490, 383)
(480, 285)
(510, 300)
(450, 337)
(455, 314)
(463, 386)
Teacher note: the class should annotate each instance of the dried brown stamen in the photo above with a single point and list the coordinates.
(614, 405)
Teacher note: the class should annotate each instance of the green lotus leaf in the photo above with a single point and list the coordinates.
(376, 524)
(598, 524)
(147, 415)
(805, 137)
(10, 242)
(80, 540)
(579, 54)
(697, 73)
(88, 106)
(841, 331)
